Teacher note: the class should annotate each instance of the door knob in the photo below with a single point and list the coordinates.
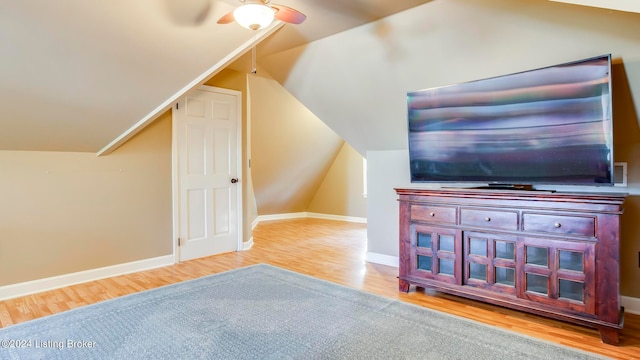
(234, 180)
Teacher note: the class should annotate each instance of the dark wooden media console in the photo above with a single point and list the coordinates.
(548, 253)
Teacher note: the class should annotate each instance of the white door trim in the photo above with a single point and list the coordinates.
(175, 189)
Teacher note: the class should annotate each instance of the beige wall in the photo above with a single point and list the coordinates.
(64, 212)
(291, 149)
(342, 189)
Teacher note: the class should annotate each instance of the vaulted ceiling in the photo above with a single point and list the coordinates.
(81, 75)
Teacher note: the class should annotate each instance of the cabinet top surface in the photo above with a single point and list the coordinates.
(534, 195)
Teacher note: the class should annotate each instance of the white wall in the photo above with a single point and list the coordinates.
(386, 170)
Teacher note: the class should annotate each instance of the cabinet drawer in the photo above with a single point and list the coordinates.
(492, 219)
(560, 224)
(439, 214)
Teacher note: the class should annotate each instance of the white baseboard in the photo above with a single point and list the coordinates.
(382, 259)
(247, 244)
(353, 219)
(287, 216)
(631, 304)
(55, 282)
(300, 215)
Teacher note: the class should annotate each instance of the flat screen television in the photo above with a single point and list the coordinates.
(550, 125)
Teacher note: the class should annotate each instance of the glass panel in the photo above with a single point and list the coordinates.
(424, 240)
(424, 262)
(446, 266)
(478, 247)
(537, 256)
(505, 276)
(571, 260)
(505, 250)
(537, 283)
(571, 290)
(446, 242)
(478, 271)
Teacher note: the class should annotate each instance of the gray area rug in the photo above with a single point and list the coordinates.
(264, 312)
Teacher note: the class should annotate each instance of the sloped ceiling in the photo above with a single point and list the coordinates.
(620, 5)
(75, 75)
(356, 81)
(79, 75)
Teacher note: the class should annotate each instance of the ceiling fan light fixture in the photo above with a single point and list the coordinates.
(254, 16)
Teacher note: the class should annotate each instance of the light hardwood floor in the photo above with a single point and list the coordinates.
(331, 250)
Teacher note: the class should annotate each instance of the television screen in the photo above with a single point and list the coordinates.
(545, 126)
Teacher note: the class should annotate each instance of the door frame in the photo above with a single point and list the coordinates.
(175, 178)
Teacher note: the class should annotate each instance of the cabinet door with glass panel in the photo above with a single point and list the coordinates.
(559, 273)
(436, 253)
(490, 261)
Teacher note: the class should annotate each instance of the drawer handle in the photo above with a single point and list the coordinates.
(432, 214)
(487, 219)
(557, 225)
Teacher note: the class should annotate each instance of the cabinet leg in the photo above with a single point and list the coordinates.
(403, 286)
(609, 336)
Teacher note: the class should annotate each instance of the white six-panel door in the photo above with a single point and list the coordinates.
(206, 126)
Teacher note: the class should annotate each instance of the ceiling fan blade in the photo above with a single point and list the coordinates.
(226, 19)
(287, 14)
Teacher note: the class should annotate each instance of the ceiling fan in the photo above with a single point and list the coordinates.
(258, 14)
